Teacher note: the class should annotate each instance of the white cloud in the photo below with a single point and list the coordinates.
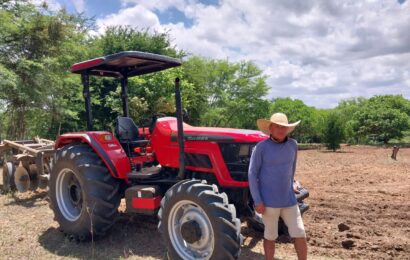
(317, 51)
(137, 16)
(79, 5)
(160, 5)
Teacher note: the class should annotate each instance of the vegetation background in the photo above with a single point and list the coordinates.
(40, 97)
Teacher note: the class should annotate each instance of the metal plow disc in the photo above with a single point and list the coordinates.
(8, 176)
(22, 178)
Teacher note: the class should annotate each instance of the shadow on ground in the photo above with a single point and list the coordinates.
(333, 152)
(251, 240)
(130, 236)
(34, 199)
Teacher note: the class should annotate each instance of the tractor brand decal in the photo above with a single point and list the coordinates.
(197, 138)
(202, 137)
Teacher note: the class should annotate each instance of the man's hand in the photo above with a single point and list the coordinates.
(296, 187)
(260, 208)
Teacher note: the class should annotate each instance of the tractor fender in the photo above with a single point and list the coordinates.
(105, 145)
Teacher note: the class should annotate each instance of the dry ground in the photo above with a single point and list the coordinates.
(360, 187)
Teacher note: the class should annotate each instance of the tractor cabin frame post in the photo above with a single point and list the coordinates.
(180, 127)
(124, 94)
(87, 98)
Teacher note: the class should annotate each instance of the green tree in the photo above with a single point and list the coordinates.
(227, 94)
(126, 38)
(35, 47)
(196, 71)
(380, 123)
(333, 131)
(381, 118)
(346, 109)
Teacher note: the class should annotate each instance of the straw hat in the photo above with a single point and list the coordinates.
(278, 119)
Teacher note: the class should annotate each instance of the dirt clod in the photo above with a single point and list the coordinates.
(348, 244)
(343, 227)
(399, 248)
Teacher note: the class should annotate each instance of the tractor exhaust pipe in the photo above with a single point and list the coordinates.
(178, 104)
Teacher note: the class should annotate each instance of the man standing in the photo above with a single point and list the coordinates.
(271, 182)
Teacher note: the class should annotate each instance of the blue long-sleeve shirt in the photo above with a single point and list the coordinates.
(271, 173)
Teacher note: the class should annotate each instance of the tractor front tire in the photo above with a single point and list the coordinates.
(83, 194)
(197, 222)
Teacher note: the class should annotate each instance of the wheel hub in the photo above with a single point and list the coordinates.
(69, 195)
(75, 194)
(191, 231)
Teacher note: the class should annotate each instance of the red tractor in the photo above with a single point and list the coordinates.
(193, 178)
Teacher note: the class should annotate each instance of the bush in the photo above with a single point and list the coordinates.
(334, 131)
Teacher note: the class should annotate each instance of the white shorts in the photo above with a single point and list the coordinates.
(292, 218)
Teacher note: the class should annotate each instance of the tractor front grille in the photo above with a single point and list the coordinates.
(237, 157)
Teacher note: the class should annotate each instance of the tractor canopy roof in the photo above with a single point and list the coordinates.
(126, 63)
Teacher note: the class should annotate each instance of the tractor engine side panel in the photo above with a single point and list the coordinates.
(105, 145)
(200, 156)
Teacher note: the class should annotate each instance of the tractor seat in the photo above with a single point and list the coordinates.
(128, 135)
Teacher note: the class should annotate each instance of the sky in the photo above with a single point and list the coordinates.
(321, 51)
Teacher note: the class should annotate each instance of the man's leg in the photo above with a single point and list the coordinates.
(301, 247)
(292, 218)
(270, 219)
(269, 247)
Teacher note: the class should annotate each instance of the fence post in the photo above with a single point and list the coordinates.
(395, 151)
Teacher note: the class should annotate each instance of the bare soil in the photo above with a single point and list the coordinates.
(359, 209)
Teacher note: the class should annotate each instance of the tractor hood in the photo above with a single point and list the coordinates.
(217, 134)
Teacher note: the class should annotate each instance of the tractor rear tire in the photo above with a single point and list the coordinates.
(83, 194)
(197, 222)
